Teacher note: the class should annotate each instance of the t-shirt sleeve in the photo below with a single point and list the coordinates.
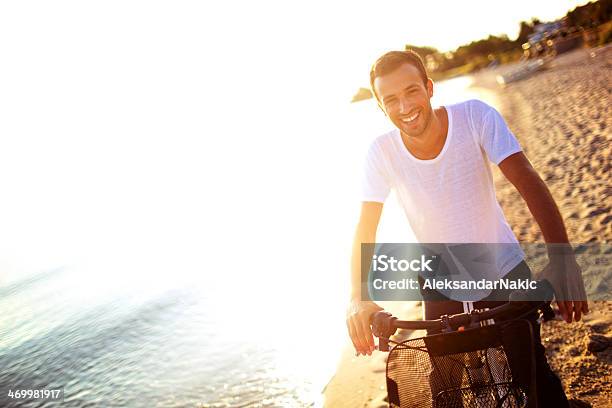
(493, 133)
(375, 182)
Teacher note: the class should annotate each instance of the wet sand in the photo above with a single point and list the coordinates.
(561, 117)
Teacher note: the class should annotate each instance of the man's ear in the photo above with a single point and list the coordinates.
(378, 101)
(430, 87)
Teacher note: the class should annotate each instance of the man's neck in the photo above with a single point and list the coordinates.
(429, 144)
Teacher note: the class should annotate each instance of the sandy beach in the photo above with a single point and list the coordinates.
(561, 117)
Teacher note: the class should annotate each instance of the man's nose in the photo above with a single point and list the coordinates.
(403, 105)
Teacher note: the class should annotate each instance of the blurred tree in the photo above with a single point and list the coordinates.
(591, 14)
(422, 51)
(526, 29)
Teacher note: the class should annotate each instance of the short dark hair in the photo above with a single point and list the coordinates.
(391, 61)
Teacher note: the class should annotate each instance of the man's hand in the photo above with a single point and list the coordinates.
(565, 275)
(358, 318)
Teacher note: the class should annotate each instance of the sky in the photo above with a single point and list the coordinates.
(130, 126)
(371, 31)
(449, 24)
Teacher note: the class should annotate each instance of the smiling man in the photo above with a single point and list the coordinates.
(438, 163)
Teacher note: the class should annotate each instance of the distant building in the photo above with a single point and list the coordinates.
(552, 38)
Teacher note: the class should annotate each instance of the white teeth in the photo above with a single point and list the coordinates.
(410, 119)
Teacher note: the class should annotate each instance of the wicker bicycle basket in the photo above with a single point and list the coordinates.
(491, 366)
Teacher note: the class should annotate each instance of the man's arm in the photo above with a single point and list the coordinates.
(519, 171)
(360, 311)
(365, 233)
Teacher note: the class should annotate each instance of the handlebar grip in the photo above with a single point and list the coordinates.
(383, 328)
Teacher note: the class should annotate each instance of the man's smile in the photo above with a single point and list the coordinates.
(412, 117)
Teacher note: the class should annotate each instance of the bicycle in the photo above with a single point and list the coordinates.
(467, 364)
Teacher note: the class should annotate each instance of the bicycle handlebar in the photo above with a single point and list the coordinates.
(384, 325)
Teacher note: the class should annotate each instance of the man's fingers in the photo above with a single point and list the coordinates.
(364, 332)
(369, 339)
(569, 307)
(357, 336)
(562, 309)
(352, 334)
(360, 337)
(577, 311)
(585, 307)
(569, 310)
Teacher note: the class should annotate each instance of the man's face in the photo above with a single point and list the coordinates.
(405, 99)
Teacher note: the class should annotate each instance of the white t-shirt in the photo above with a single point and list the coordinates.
(451, 198)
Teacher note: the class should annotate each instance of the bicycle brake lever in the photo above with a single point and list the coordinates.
(383, 344)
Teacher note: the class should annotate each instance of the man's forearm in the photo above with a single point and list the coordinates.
(542, 206)
(361, 236)
(544, 209)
